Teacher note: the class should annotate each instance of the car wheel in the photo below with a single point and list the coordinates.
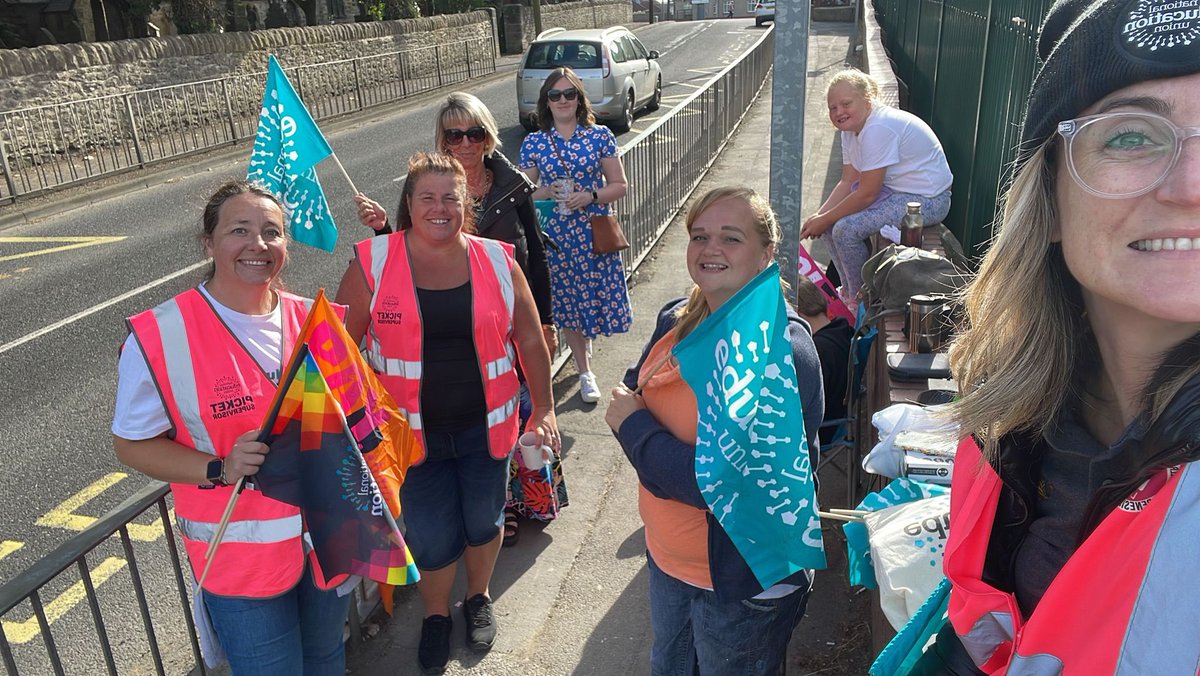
(622, 125)
(656, 101)
(529, 123)
(758, 23)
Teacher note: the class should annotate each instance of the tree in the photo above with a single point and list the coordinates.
(197, 16)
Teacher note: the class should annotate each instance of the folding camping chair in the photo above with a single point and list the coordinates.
(844, 445)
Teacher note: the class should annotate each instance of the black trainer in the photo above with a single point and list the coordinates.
(434, 651)
(481, 622)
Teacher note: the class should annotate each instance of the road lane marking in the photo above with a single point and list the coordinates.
(23, 632)
(9, 546)
(64, 516)
(96, 308)
(67, 243)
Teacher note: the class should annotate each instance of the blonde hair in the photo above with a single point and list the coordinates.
(464, 107)
(696, 310)
(1018, 362)
(865, 84)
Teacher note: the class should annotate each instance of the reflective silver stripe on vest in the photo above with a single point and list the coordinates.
(988, 633)
(413, 418)
(379, 256)
(499, 367)
(391, 367)
(262, 531)
(1035, 665)
(504, 275)
(502, 412)
(177, 354)
(1161, 637)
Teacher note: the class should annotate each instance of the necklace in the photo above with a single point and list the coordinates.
(478, 196)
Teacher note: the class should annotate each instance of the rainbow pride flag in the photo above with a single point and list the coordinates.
(339, 452)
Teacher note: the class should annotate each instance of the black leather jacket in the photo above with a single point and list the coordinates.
(1173, 439)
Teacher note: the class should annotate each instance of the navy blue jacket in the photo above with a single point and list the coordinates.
(666, 466)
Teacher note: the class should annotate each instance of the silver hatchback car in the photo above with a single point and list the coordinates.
(619, 74)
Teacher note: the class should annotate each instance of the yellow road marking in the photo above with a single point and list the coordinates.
(68, 243)
(9, 546)
(64, 516)
(22, 632)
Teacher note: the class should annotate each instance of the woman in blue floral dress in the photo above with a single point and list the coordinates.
(589, 294)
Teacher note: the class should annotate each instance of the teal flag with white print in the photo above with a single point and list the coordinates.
(288, 145)
(752, 463)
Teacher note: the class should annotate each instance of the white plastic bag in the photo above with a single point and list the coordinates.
(907, 545)
(924, 429)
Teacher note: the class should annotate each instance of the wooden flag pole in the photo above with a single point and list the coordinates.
(210, 553)
(654, 370)
(343, 170)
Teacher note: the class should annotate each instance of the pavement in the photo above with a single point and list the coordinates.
(571, 596)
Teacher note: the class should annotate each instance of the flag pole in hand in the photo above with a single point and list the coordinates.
(211, 552)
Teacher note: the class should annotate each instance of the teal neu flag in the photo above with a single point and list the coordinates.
(752, 464)
(287, 147)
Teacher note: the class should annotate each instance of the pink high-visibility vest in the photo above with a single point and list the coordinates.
(394, 333)
(213, 392)
(1126, 602)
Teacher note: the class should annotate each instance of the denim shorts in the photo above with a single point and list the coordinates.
(455, 500)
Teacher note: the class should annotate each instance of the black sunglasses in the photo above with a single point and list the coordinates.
(556, 94)
(455, 136)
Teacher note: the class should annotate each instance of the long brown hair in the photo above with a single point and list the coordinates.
(766, 225)
(422, 164)
(583, 108)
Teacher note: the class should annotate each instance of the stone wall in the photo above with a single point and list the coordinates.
(57, 73)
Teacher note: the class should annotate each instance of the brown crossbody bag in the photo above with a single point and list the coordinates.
(607, 236)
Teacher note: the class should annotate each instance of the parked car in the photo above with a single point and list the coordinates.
(764, 12)
(619, 74)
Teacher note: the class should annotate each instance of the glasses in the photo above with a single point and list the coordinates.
(1122, 155)
(556, 94)
(455, 136)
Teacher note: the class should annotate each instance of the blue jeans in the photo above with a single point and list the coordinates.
(455, 499)
(694, 633)
(298, 632)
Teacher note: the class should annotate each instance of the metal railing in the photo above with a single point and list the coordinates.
(664, 164)
(49, 147)
(967, 65)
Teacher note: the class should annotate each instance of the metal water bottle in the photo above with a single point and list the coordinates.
(912, 228)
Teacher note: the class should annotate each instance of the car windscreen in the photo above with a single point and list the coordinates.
(576, 55)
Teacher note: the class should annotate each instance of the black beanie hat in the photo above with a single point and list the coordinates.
(1091, 48)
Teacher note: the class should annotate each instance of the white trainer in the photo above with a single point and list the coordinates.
(589, 392)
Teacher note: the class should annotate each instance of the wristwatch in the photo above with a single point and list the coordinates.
(595, 197)
(216, 473)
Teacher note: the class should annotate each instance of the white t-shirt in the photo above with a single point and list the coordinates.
(904, 144)
(140, 413)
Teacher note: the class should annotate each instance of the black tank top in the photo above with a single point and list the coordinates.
(452, 395)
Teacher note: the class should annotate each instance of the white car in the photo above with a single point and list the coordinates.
(619, 74)
(764, 12)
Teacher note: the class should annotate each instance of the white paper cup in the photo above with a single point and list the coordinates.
(533, 456)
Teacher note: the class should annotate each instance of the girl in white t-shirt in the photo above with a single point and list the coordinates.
(889, 158)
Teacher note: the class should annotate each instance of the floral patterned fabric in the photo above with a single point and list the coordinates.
(536, 494)
(589, 293)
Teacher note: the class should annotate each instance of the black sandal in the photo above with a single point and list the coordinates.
(510, 528)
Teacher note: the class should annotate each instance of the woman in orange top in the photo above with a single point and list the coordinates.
(708, 611)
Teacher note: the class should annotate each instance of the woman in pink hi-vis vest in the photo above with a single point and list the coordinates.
(445, 315)
(1076, 501)
(196, 377)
